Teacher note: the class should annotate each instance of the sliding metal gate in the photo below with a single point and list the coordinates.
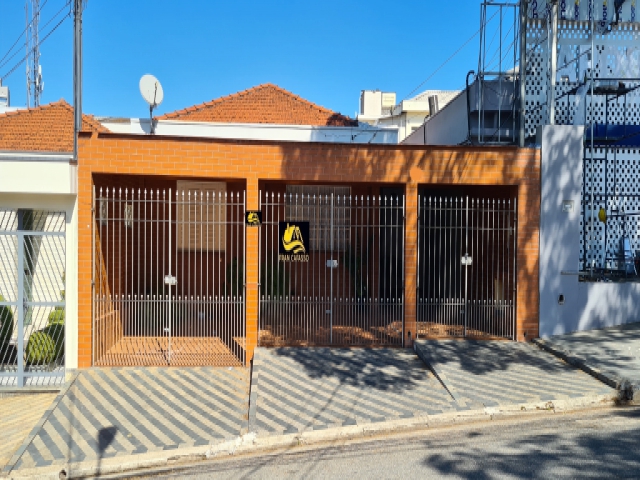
(331, 267)
(466, 266)
(169, 277)
(32, 297)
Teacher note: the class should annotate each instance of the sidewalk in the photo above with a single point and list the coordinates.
(609, 354)
(116, 420)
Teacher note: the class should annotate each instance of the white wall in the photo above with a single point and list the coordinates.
(447, 127)
(267, 132)
(37, 173)
(587, 305)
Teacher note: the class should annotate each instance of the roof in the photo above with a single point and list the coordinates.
(444, 96)
(48, 128)
(266, 103)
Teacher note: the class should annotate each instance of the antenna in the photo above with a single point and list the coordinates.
(152, 93)
(35, 85)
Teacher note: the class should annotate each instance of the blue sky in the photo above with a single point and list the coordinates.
(326, 52)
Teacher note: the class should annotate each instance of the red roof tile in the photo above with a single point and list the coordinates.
(48, 128)
(265, 103)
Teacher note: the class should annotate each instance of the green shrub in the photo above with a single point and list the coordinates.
(56, 317)
(46, 346)
(6, 325)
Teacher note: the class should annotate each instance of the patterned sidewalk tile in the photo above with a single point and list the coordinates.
(505, 373)
(301, 389)
(128, 411)
(20, 413)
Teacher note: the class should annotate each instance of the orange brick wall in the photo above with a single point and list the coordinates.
(259, 162)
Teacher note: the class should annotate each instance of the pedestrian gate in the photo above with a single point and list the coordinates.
(466, 266)
(32, 297)
(331, 267)
(168, 276)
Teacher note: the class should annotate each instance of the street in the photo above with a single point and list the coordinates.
(599, 443)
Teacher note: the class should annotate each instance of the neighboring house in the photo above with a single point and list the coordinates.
(38, 240)
(265, 112)
(587, 132)
(380, 109)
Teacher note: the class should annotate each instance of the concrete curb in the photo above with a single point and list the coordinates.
(625, 386)
(253, 443)
(34, 431)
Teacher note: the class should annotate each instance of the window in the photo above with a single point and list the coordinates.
(312, 203)
(201, 216)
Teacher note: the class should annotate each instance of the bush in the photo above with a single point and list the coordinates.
(46, 346)
(6, 325)
(56, 317)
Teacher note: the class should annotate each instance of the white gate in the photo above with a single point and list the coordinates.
(32, 297)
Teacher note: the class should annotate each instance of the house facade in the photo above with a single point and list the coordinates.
(38, 244)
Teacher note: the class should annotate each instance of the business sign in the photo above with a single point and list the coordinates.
(253, 218)
(293, 241)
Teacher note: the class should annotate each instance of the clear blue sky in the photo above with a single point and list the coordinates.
(325, 51)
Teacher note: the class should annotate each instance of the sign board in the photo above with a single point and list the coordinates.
(170, 280)
(253, 218)
(293, 241)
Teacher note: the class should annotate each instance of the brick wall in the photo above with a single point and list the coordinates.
(258, 162)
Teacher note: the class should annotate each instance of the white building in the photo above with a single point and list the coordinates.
(380, 109)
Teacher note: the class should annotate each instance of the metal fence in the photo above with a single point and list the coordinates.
(344, 284)
(169, 276)
(32, 297)
(466, 266)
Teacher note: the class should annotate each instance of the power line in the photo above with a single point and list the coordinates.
(13, 69)
(21, 35)
(450, 58)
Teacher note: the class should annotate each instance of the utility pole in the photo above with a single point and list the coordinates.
(77, 74)
(35, 85)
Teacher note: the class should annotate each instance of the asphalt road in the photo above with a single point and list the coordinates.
(593, 444)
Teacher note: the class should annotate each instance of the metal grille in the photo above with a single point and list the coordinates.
(169, 277)
(610, 182)
(32, 297)
(466, 267)
(348, 287)
(616, 58)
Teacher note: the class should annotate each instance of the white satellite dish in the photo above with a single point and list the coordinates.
(151, 90)
(152, 93)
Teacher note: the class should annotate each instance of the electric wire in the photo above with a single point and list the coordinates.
(450, 58)
(20, 36)
(21, 61)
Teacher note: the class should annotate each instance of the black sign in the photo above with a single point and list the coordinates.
(293, 241)
(253, 218)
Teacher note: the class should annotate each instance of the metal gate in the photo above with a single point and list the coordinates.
(169, 276)
(466, 266)
(32, 297)
(331, 267)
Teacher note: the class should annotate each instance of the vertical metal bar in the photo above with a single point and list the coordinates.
(466, 267)
(169, 286)
(93, 275)
(514, 304)
(21, 309)
(331, 275)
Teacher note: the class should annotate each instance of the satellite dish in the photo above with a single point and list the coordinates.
(151, 90)
(152, 93)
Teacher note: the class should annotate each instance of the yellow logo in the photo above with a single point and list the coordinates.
(252, 218)
(292, 240)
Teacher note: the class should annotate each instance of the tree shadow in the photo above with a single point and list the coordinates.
(589, 455)
(478, 357)
(383, 369)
